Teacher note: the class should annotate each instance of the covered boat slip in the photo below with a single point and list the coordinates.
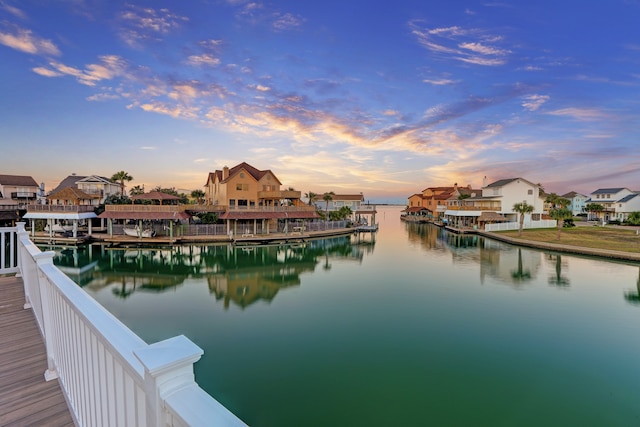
(55, 216)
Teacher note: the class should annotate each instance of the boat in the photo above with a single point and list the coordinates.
(135, 232)
(58, 228)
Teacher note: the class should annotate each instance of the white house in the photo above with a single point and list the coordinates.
(353, 201)
(496, 204)
(616, 202)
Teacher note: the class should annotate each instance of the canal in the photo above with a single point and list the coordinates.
(412, 326)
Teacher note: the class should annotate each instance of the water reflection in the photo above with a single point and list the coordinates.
(238, 274)
(634, 296)
(558, 279)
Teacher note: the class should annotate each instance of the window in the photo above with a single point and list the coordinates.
(530, 192)
(232, 202)
(242, 187)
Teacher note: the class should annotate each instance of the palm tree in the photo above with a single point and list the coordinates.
(311, 196)
(136, 190)
(197, 195)
(594, 207)
(522, 208)
(121, 177)
(327, 197)
(559, 210)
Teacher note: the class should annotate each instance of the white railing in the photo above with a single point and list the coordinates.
(547, 223)
(108, 374)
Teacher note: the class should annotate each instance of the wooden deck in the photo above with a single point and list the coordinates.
(26, 399)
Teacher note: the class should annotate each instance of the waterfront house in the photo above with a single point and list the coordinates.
(577, 202)
(91, 185)
(495, 204)
(16, 192)
(618, 202)
(251, 201)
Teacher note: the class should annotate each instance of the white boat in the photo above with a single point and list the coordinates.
(135, 232)
(57, 228)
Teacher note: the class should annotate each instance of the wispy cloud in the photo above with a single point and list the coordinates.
(439, 82)
(18, 13)
(46, 72)
(534, 102)
(109, 67)
(25, 41)
(580, 114)
(139, 25)
(468, 45)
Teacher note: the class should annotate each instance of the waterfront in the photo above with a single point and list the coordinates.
(417, 326)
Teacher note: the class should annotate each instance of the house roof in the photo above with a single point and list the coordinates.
(18, 180)
(414, 209)
(71, 193)
(627, 198)
(489, 216)
(347, 197)
(572, 194)
(608, 190)
(254, 172)
(96, 178)
(503, 182)
(155, 195)
(69, 181)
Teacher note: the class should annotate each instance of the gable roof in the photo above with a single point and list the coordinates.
(572, 194)
(69, 181)
(503, 182)
(99, 178)
(627, 198)
(18, 180)
(257, 174)
(71, 193)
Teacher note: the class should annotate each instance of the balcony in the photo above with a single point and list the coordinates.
(23, 195)
(279, 194)
(60, 208)
(145, 208)
(474, 208)
(271, 208)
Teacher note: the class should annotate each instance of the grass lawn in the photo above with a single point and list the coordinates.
(611, 238)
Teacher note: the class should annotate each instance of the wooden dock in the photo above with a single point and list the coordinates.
(26, 399)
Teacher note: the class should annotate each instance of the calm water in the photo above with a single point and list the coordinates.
(415, 327)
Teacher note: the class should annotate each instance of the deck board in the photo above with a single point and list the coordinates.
(26, 399)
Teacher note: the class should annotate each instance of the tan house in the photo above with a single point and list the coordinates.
(251, 201)
(16, 193)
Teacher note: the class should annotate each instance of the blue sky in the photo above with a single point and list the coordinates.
(384, 98)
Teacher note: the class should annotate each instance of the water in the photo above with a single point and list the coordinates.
(415, 327)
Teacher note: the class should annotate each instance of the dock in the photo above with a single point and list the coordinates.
(25, 397)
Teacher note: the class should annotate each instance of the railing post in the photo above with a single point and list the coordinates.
(42, 259)
(20, 232)
(168, 367)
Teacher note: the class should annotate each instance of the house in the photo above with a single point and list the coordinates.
(338, 201)
(16, 193)
(18, 190)
(92, 185)
(577, 202)
(496, 202)
(618, 203)
(250, 199)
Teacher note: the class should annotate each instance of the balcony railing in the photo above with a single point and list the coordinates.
(23, 195)
(280, 194)
(145, 208)
(109, 375)
(473, 208)
(60, 208)
(271, 208)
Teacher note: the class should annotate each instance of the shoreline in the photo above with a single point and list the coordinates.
(559, 247)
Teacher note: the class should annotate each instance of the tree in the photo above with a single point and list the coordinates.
(136, 190)
(311, 196)
(197, 195)
(121, 177)
(559, 210)
(522, 208)
(634, 218)
(327, 197)
(594, 207)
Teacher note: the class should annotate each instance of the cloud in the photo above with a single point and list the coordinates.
(175, 111)
(18, 13)
(204, 59)
(287, 21)
(148, 147)
(580, 114)
(46, 72)
(139, 24)
(533, 102)
(102, 97)
(439, 82)
(471, 46)
(109, 67)
(25, 41)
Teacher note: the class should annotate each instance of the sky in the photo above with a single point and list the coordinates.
(384, 98)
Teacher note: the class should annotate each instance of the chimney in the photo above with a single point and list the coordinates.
(225, 173)
(484, 181)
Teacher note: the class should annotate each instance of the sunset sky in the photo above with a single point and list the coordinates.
(385, 98)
